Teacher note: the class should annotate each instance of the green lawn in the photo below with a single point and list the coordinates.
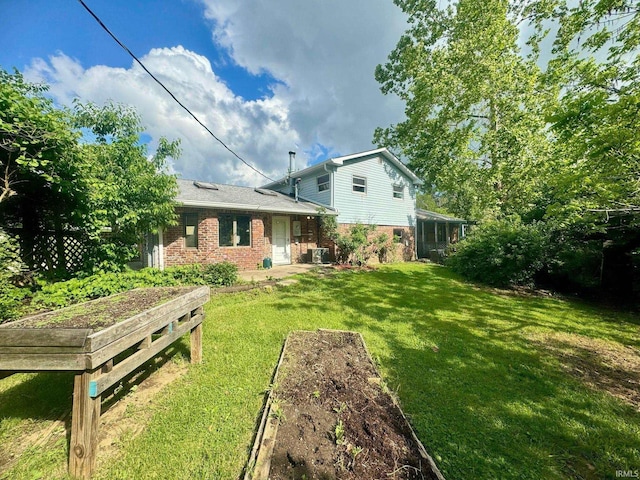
(495, 385)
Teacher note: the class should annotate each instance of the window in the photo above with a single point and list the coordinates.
(323, 182)
(234, 230)
(398, 191)
(397, 235)
(359, 184)
(190, 221)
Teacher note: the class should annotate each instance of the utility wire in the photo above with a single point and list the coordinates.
(106, 29)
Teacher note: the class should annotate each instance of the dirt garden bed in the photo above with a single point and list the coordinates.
(329, 416)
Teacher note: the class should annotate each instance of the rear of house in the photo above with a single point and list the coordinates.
(371, 188)
(246, 226)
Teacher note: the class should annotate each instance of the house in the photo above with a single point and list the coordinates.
(241, 225)
(436, 231)
(372, 188)
(280, 221)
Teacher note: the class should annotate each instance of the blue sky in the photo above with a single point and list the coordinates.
(266, 77)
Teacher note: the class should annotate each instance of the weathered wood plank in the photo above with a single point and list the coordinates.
(42, 361)
(84, 427)
(196, 344)
(110, 350)
(128, 365)
(43, 337)
(104, 337)
(36, 349)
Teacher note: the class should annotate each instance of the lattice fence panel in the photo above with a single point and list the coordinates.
(46, 256)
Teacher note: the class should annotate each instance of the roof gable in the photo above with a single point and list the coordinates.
(340, 161)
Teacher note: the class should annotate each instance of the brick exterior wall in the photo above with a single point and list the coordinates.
(247, 258)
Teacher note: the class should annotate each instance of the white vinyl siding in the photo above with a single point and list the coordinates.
(376, 206)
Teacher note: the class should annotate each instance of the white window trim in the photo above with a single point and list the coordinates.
(327, 183)
(353, 184)
(401, 192)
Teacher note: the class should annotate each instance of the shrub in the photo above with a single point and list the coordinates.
(220, 274)
(61, 294)
(501, 253)
(12, 269)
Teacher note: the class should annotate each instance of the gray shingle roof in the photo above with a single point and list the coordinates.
(232, 197)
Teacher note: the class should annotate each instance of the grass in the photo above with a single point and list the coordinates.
(486, 395)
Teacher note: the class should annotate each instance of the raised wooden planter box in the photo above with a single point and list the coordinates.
(44, 343)
(265, 449)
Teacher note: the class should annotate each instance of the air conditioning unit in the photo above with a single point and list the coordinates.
(318, 255)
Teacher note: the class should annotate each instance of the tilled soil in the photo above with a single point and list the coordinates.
(103, 312)
(336, 419)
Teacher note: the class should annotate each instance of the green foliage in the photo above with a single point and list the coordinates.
(12, 269)
(62, 294)
(501, 253)
(383, 247)
(51, 182)
(329, 224)
(493, 131)
(129, 195)
(474, 129)
(355, 245)
(220, 274)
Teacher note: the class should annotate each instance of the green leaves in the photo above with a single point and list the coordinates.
(472, 103)
(54, 181)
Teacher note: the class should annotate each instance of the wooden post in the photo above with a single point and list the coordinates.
(84, 426)
(196, 344)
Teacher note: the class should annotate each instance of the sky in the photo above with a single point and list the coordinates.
(266, 77)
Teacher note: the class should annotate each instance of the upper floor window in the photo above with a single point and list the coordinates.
(323, 182)
(359, 184)
(190, 221)
(398, 191)
(234, 230)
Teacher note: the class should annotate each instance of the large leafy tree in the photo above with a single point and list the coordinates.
(474, 127)
(596, 193)
(42, 189)
(130, 192)
(81, 173)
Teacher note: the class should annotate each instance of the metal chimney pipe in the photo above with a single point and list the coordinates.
(292, 165)
(292, 162)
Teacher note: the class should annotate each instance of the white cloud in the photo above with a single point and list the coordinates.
(258, 131)
(325, 52)
(323, 56)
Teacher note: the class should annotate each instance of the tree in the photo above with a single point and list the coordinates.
(101, 190)
(474, 127)
(596, 191)
(130, 195)
(42, 190)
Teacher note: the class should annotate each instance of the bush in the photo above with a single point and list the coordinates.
(501, 253)
(12, 269)
(355, 245)
(220, 274)
(61, 294)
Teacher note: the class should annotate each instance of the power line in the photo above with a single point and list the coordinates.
(106, 29)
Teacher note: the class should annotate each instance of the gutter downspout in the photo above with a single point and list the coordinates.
(160, 249)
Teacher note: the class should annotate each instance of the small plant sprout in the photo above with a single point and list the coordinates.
(341, 408)
(316, 394)
(354, 450)
(277, 412)
(339, 433)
